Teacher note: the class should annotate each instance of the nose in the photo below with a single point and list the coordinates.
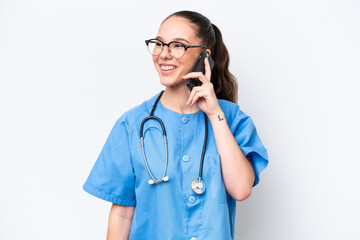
(165, 53)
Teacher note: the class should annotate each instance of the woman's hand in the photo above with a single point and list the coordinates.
(204, 95)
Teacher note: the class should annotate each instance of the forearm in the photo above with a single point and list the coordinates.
(237, 172)
(120, 219)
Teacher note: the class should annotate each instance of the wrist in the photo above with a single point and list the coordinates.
(217, 116)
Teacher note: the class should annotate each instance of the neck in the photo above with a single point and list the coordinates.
(175, 99)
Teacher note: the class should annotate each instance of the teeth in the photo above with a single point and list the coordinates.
(167, 67)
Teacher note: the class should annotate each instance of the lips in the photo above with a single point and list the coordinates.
(167, 68)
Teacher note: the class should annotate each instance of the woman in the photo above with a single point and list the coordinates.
(166, 191)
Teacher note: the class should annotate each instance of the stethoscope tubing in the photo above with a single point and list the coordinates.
(197, 185)
(147, 166)
(204, 149)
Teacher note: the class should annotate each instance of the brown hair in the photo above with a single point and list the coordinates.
(225, 84)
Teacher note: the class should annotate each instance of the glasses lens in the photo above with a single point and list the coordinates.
(154, 47)
(177, 49)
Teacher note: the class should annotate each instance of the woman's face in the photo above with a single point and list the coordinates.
(169, 68)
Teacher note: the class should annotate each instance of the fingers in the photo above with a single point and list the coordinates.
(207, 69)
(197, 93)
(203, 91)
(198, 75)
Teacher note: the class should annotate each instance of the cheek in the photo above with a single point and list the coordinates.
(189, 65)
(154, 58)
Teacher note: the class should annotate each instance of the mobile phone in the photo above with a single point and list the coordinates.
(199, 67)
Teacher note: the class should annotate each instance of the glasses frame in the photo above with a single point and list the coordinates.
(186, 47)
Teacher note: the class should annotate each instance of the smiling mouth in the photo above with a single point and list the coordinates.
(167, 67)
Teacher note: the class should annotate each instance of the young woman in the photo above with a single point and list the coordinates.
(178, 174)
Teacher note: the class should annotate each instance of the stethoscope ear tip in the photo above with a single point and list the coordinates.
(165, 179)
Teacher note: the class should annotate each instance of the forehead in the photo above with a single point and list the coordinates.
(178, 27)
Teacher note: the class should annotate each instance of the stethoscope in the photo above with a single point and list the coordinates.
(197, 185)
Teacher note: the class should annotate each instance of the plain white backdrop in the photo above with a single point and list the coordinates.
(70, 68)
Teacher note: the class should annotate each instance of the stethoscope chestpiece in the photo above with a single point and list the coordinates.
(198, 186)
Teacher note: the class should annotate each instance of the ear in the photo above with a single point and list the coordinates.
(208, 51)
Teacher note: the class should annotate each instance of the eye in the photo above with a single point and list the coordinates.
(177, 45)
(158, 43)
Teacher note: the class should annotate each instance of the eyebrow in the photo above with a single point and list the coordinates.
(176, 39)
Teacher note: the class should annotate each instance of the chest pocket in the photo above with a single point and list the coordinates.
(154, 148)
(215, 184)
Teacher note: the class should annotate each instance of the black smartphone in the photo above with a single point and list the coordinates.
(199, 67)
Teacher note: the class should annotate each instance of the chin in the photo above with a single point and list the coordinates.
(171, 82)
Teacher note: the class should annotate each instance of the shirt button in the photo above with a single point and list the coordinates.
(191, 199)
(186, 158)
(184, 120)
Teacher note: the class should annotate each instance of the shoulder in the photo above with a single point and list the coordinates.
(232, 112)
(136, 114)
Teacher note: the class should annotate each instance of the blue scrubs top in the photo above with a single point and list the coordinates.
(171, 210)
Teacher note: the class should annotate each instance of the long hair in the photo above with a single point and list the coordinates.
(225, 84)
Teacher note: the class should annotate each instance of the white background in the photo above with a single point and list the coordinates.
(70, 68)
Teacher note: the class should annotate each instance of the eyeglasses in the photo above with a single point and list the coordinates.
(176, 49)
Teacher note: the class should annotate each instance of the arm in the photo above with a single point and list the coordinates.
(237, 172)
(120, 219)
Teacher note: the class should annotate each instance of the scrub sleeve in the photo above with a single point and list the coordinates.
(246, 136)
(112, 177)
